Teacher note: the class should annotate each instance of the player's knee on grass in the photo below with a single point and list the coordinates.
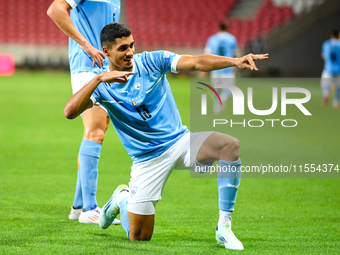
(141, 226)
(140, 236)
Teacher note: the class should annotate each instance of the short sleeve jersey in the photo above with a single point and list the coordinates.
(222, 44)
(331, 54)
(143, 110)
(89, 17)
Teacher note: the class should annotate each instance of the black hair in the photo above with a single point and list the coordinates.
(223, 26)
(112, 31)
(335, 33)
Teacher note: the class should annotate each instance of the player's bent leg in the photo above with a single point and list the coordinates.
(141, 226)
(111, 209)
(137, 219)
(225, 149)
(218, 147)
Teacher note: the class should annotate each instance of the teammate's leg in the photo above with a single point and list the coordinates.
(336, 92)
(220, 83)
(95, 122)
(326, 83)
(78, 199)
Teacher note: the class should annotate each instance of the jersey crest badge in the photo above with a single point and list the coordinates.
(133, 190)
(137, 86)
(167, 54)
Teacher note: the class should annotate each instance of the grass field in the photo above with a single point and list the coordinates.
(38, 148)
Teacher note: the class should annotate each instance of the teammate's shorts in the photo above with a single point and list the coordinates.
(149, 177)
(78, 80)
(220, 81)
(328, 80)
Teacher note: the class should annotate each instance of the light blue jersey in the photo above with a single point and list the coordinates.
(143, 111)
(89, 17)
(331, 54)
(222, 44)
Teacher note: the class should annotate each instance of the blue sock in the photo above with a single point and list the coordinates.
(88, 159)
(124, 219)
(337, 94)
(229, 177)
(78, 197)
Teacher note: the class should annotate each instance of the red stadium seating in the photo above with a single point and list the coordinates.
(175, 23)
(189, 23)
(26, 22)
(170, 23)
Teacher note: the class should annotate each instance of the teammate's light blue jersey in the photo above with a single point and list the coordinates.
(89, 17)
(331, 54)
(222, 44)
(143, 111)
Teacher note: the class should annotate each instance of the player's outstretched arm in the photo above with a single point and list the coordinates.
(81, 101)
(58, 12)
(209, 62)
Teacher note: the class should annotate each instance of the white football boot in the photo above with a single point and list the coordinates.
(74, 214)
(226, 237)
(92, 217)
(111, 209)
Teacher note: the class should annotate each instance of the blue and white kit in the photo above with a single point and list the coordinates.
(143, 110)
(85, 18)
(331, 54)
(222, 44)
(146, 118)
(331, 72)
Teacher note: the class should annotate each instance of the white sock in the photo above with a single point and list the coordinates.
(123, 194)
(225, 218)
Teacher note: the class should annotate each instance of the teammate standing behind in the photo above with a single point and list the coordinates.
(331, 72)
(83, 26)
(222, 44)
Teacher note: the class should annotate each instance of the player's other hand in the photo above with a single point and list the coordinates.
(115, 76)
(96, 55)
(248, 61)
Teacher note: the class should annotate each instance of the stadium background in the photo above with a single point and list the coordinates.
(38, 145)
(292, 31)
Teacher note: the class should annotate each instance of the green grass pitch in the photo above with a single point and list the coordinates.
(38, 148)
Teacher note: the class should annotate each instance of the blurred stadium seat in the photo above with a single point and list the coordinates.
(298, 6)
(26, 22)
(169, 23)
(175, 23)
(155, 25)
(189, 23)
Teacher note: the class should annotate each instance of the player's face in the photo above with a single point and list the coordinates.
(121, 54)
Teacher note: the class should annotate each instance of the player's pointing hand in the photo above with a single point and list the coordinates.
(248, 61)
(115, 76)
